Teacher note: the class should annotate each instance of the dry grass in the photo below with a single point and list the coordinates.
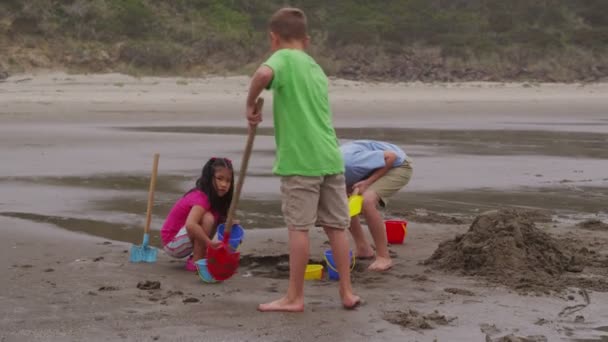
(143, 37)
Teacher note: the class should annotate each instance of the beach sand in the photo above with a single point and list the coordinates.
(76, 157)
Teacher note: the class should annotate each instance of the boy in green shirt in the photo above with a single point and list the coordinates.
(308, 157)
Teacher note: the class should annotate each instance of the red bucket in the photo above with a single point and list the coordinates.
(396, 231)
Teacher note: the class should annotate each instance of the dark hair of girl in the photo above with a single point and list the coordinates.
(205, 184)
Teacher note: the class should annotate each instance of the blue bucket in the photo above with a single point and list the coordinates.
(236, 235)
(331, 267)
(203, 271)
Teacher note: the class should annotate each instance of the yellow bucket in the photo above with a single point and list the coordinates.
(313, 272)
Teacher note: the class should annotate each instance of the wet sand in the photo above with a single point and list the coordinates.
(89, 292)
(76, 153)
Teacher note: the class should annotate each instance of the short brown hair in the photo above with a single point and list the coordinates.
(289, 24)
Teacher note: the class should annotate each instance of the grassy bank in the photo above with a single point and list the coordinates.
(401, 40)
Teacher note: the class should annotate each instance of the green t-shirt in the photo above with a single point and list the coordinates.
(306, 140)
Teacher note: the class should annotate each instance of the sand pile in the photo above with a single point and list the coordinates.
(505, 246)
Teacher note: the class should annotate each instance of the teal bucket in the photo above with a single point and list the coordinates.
(237, 233)
(203, 271)
(332, 271)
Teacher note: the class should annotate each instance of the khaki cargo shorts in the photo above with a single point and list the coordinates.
(315, 201)
(394, 180)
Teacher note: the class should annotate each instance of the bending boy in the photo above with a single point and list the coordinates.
(376, 170)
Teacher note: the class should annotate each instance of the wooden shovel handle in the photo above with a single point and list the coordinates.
(151, 193)
(244, 163)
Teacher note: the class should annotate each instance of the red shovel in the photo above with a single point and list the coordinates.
(222, 261)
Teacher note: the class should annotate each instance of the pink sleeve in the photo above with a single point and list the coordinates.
(200, 198)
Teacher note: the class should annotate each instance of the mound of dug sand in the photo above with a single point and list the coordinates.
(505, 246)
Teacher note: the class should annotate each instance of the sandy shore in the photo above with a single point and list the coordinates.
(76, 152)
(69, 287)
(61, 98)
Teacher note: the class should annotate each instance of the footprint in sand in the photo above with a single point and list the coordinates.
(173, 293)
(107, 288)
(514, 338)
(148, 285)
(462, 292)
(489, 329)
(415, 320)
(154, 298)
(420, 278)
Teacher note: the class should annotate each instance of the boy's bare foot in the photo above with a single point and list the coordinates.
(381, 264)
(351, 302)
(282, 305)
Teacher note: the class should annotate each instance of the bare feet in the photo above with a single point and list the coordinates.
(282, 305)
(381, 264)
(351, 302)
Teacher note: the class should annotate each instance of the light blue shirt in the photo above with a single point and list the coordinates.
(362, 157)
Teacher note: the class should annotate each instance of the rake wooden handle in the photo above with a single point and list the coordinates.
(151, 193)
(244, 163)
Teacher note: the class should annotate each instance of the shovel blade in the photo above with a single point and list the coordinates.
(222, 262)
(142, 254)
(355, 203)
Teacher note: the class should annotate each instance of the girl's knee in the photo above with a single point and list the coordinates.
(208, 220)
(209, 224)
(190, 229)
